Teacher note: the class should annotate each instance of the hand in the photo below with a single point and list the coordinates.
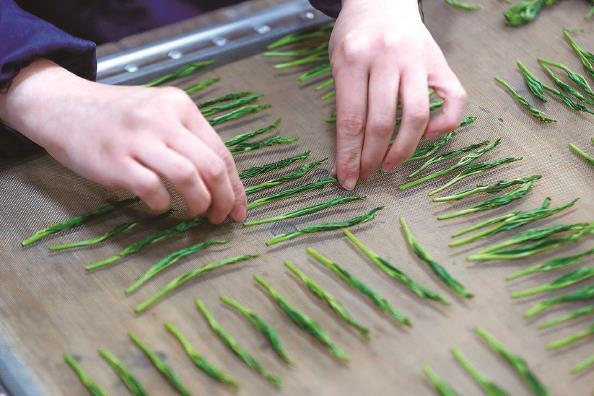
(127, 137)
(381, 52)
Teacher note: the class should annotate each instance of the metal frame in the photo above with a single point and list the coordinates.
(224, 42)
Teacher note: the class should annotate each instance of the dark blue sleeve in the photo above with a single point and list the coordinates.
(328, 7)
(25, 37)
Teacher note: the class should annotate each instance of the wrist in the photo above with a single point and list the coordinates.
(403, 6)
(27, 103)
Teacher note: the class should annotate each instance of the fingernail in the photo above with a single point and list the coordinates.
(333, 172)
(239, 214)
(386, 167)
(349, 183)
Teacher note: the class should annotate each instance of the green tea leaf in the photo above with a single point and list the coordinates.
(303, 321)
(305, 211)
(88, 383)
(440, 271)
(127, 378)
(488, 386)
(267, 330)
(181, 280)
(380, 302)
(235, 347)
(536, 113)
(170, 260)
(395, 273)
(77, 221)
(200, 361)
(332, 302)
(183, 71)
(324, 227)
(517, 362)
(439, 384)
(161, 366)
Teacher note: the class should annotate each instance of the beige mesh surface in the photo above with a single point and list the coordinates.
(49, 305)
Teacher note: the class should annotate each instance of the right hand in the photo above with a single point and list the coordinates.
(127, 137)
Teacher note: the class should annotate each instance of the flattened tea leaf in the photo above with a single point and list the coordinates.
(332, 302)
(77, 221)
(541, 244)
(237, 114)
(535, 112)
(587, 58)
(509, 221)
(475, 169)
(395, 273)
(577, 78)
(552, 264)
(315, 72)
(487, 189)
(318, 33)
(380, 302)
(272, 141)
(303, 321)
(236, 348)
(183, 71)
(161, 365)
(578, 313)
(291, 176)
(151, 239)
(170, 260)
(586, 363)
(305, 211)
(571, 339)
(234, 141)
(89, 384)
(571, 278)
(181, 280)
(517, 362)
(117, 230)
(272, 166)
(201, 86)
(440, 271)
(200, 361)
(428, 150)
(323, 227)
(563, 85)
(466, 160)
(488, 386)
(224, 98)
(582, 153)
(267, 330)
(463, 5)
(127, 378)
(233, 104)
(447, 156)
(439, 384)
(493, 203)
(291, 192)
(584, 294)
(533, 84)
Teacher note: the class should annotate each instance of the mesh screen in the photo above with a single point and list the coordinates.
(49, 305)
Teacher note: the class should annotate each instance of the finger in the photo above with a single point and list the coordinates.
(415, 115)
(351, 107)
(448, 87)
(145, 184)
(381, 116)
(182, 174)
(202, 129)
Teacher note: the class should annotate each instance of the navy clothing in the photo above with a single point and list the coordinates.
(67, 31)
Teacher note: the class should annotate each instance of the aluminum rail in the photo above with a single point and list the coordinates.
(224, 42)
